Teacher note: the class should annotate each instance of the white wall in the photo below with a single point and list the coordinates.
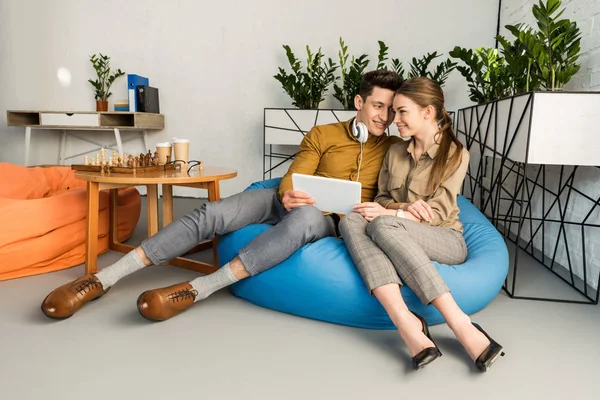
(587, 15)
(212, 61)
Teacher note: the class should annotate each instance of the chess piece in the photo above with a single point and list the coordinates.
(130, 161)
(86, 161)
(155, 158)
(168, 158)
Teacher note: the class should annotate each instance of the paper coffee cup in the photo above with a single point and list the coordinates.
(181, 148)
(163, 150)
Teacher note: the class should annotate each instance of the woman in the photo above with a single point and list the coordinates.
(414, 221)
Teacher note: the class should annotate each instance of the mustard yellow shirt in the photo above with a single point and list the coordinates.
(332, 151)
(403, 180)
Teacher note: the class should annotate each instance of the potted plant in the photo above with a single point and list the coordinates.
(105, 79)
(307, 87)
(519, 89)
(523, 123)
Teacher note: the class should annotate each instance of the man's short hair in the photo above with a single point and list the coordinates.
(382, 78)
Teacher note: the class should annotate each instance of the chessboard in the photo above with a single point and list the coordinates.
(128, 164)
(125, 170)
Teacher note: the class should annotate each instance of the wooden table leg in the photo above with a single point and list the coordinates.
(214, 191)
(214, 194)
(113, 225)
(167, 204)
(113, 219)
(91, 245)
(152, 196)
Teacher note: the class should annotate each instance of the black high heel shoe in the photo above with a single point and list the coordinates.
(490, 354)
(429, 354)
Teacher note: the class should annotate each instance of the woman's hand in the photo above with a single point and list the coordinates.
(372, 210)
(421, 210)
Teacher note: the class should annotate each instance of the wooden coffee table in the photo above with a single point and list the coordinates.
(207, 178)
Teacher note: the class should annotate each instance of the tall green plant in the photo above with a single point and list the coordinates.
(485, 71)
(554, 48)
(382, 55)
(398, 67)
(420, 67)
(307, 89)
(351, 77)
(105, 78)
(518, 67)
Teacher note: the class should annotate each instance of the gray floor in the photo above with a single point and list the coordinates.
(226, 348)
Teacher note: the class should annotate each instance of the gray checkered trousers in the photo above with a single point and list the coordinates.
(391, 250)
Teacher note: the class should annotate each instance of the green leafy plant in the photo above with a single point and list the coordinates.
(397, 67)
(518, 67)
(554, 49)
(420, 67)
(537, 60)
(105, 79)
(307, 88)
(382, 55)
(485, 71)
(351, 77)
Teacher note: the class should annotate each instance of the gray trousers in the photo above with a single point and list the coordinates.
(389, 249)
(292, 230)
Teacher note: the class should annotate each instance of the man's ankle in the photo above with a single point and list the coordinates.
(238, 270)
(142, 255)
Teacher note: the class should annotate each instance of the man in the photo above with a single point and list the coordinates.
(330, 150)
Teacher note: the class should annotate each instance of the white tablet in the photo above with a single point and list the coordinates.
(330, 195)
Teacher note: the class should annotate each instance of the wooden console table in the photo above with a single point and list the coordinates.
(67, 121)
(208, 178)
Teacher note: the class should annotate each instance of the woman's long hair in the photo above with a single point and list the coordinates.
(424, 92)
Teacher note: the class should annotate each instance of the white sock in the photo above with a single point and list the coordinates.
(130, 263)
(207, 285)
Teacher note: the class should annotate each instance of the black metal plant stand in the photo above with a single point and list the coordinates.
(505, 191)
(270, 152)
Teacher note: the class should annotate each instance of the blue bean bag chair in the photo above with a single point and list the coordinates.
(320, 281)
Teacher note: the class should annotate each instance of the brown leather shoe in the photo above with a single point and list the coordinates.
(164, 303)
(65, 300)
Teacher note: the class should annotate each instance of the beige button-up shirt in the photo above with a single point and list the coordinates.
(403, 180)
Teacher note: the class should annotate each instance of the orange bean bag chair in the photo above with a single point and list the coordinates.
(43, 219)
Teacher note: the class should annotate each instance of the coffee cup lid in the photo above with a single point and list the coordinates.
(164, 144)
(178, 140)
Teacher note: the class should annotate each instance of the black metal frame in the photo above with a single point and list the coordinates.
(283, 156)
(519, 211)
